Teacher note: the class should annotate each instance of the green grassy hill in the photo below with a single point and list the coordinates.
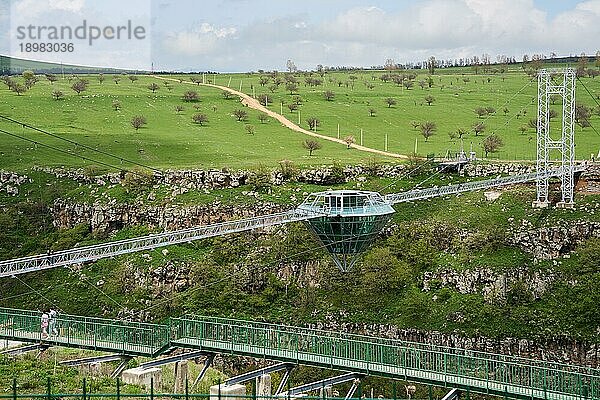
(172, 140)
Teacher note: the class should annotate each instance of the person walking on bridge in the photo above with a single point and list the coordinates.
(44, 325)
(52, 322)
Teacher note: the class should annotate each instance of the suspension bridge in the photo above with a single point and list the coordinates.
(468, 370)
(346, 223)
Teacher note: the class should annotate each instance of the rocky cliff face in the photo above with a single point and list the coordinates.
(107, 217)
(10, 182)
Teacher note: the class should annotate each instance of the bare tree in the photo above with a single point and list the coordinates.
(133, 78)
(290, 66)
(292, 106)
(80, 86)
(51, 78)
(57, 94)
(372, 112)
(250, 129)
(390, 102)
(422, 84)
(265, 99)
(490, 110)
(116, 105)
(116, 79)
(190, 96)
(101, 78)
(428, 129)
(349, 140)
(138, 121)
(262, 118)
(200, 119)
(226, 95)
(328, 95)
(241, 115)
(291, 87)
(408, 83)
(461, 132)
(491, 144)
(311, 145)
(313, 123)
(478, 127)
(429, 99)
(153, 87)
(431, 64)
(264, 80)
(18, 88)
(179, 109)
(480, 111)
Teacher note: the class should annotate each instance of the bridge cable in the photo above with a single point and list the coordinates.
(595, 100)
(78, 144)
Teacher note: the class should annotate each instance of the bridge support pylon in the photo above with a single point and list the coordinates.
(551, 83)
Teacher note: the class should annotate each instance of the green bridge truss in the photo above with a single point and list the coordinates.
(480, 372)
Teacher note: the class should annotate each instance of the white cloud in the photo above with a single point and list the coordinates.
(33, 8)
(368, 35)
(202, 40)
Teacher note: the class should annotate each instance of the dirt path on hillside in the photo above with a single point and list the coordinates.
(253, 103)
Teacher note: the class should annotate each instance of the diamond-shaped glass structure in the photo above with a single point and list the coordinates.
(348, 223)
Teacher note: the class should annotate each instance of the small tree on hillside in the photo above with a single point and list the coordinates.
(265, 99)
(311, 145)
(292, 106)
(428, 129)
(429, 99)
(328, 95)
(480, 111)
(200, 119)
(57, 94)
(227, 95)
(250, 129)
(313, 123)
(372, 112)
(101, 78)
(133, 78)
(79, 86)
(241, 115)
(460, 132)
(153, 87)
(51, 78)
(291, 87)
(116, 79)
(138, 121)
(190, 96)
(262, 118)
(179, 109)
(478, 128)
(349, 140)
(491, 144)
(116, 105)
(18, 88)
(390, 102)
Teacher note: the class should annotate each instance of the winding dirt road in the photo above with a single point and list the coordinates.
(254, 104)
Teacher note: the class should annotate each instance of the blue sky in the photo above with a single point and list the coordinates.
(242, 35)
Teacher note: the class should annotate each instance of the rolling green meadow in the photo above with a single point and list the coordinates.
(172, 140)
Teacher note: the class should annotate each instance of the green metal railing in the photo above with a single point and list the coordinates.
(474, 371)
(132, 338)
(477, 371)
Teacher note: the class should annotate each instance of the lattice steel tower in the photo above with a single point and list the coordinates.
(559, 82)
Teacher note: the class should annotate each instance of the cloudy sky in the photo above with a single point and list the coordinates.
(242, 35)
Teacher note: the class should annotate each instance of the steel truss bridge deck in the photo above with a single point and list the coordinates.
(480, 372)
(111, 249)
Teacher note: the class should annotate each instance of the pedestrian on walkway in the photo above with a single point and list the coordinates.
(52, 322)
(44, 325)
